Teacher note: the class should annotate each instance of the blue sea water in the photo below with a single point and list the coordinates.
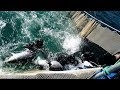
(111, 18)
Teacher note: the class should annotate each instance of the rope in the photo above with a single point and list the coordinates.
(101, 22)
(94, 74)
(105, 70)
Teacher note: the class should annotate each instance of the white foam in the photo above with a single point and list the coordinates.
(71, 44)
(2, 24)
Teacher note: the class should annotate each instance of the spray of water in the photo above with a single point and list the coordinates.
(72, 44)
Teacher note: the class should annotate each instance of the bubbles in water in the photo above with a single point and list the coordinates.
(2, 24)
(71, 44)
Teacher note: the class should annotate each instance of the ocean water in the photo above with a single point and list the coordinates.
(18, 28)
(111, 18)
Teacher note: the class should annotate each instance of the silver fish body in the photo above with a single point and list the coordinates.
(20, 56)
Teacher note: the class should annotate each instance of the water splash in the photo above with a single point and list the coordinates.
(72, 44)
